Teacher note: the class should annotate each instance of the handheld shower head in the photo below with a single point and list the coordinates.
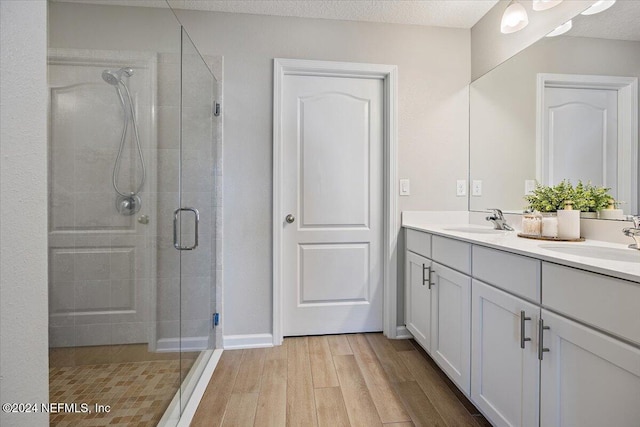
(115, 77)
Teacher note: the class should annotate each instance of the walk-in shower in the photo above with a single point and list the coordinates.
(131, 312)
(127, 203)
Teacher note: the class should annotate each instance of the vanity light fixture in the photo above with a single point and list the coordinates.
(599, 6)
(514, 18)
(561, 29)
(539, 5)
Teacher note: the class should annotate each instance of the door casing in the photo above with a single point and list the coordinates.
(389, 75)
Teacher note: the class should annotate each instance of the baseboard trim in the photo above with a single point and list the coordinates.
(230, 342)
(403, 333)
(184, 344)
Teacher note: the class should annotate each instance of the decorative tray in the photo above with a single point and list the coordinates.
(551, 239)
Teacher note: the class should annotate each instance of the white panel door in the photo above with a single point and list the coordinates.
(101, 269)
(451, 324)
(587, 378)
(332, 182)
(504, 376)
(581, 136)
(418, 298)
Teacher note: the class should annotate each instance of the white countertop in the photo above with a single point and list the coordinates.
(510, 242)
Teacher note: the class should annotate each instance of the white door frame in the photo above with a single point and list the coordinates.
(627, 88)
(389, 75)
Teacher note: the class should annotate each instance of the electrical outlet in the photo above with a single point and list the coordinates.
(529, 186)
(405, 189)
(461, 187)
(476, 187)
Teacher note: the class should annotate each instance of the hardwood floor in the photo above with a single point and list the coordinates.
(334, 380)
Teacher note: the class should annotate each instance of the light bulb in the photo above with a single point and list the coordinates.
(539, 5)
(599, 6)
(514, 18)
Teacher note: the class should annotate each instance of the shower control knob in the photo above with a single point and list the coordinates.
(143, 219)
(290, 218)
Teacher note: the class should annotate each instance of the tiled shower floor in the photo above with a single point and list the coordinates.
(137, 392)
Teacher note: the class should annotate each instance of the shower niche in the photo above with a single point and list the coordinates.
(133, 162)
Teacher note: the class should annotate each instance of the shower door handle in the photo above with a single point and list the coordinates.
(176, 214)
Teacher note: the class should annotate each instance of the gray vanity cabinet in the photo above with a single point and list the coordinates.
(504, 361)
(418, 298)
(532, 342)
(451, 324)
(587, 378)
(438, 302)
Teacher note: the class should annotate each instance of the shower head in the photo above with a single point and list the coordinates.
(115, 77)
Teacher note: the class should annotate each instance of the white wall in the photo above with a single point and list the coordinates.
(489, 47)
(433, 126)
(24, 374)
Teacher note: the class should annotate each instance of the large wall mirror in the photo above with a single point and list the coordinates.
(564, 108)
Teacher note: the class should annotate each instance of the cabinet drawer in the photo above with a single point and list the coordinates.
(513, 273)
(603, 302)
(452, 253)
(419, 242)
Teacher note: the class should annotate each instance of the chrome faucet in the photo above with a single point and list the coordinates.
(634, 232)
(499, 223)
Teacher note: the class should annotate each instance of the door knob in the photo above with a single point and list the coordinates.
(290, 218)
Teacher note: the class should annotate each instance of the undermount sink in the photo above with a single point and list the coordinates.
(477, 230)
(599, 252)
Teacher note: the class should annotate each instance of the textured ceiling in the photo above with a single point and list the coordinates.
(441, 13)
(620, 22)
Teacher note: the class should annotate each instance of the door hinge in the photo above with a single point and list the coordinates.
(216, 109)
(215, 320)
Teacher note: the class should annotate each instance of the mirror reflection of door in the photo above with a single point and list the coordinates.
(587, 131)
(581, 136)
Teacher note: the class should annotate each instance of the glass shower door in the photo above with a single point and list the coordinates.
(195, 220)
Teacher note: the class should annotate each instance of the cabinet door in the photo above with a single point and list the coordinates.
(504, 376)
(587, 378)
(451, 324)
(418, 299)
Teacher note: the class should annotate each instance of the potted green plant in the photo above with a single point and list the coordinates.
(550, 198)
(590, 199)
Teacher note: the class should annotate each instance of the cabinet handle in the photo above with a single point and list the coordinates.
(541, 348)
(428, 278)
(424, 268)
(523, 318)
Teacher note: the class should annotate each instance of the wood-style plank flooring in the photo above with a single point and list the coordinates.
(334, 380)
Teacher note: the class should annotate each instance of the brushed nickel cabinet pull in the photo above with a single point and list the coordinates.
(425, 268)
(523, 318)
(541, 348)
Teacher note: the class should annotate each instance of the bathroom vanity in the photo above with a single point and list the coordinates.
(534, 333)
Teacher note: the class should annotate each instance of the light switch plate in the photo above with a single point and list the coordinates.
(476, 187)
(405, 189)
(461, 187)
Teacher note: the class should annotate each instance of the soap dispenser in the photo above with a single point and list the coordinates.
(568, 222)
